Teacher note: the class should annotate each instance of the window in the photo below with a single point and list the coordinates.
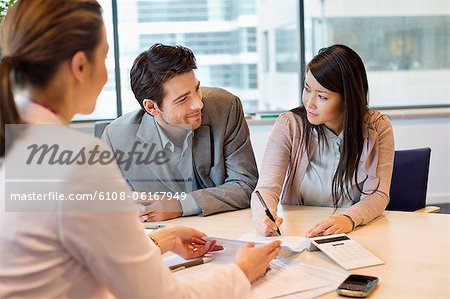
(171, 10)
(404, 45)
(279, 78)
(106, 107)
(256, 48)
(286, 49)
(221, 33)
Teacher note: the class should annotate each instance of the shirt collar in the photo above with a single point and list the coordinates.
(330, 135)
(166, 142)
(32, 113)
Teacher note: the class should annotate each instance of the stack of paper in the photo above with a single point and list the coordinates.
(296, 281)
(290, 245)
(291, 279)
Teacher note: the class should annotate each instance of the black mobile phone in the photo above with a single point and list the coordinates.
(358, 286)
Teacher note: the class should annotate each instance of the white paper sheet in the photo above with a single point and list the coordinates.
(291, 280)
(284, 280)
(294, 243)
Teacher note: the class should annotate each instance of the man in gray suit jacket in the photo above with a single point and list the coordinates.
(181, 119)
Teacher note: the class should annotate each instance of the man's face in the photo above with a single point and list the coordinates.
(182, 103)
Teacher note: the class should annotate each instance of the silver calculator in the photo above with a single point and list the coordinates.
(345, 251)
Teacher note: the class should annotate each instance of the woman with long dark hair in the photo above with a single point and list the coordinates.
(68, 228)
(332, 151)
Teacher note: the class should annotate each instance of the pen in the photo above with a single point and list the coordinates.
(153, 226)
(191, 263)
(267, 210)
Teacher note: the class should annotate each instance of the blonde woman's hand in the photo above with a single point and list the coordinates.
(254, 261)
(184, 241)
(332, 225)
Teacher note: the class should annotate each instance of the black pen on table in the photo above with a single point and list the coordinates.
(267, 210)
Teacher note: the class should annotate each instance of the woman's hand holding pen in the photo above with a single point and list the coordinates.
(271, 227)
(266, 227)
(266, 223)
(332, 225)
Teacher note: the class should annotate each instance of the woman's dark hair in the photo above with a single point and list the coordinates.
(153, 67)
(340, 69)
(36, 37)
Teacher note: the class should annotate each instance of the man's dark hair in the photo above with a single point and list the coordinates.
(153, 67)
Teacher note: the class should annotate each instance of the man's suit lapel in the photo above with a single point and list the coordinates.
(202, 153)
(148, 133)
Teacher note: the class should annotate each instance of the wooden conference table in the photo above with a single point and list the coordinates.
(414, 246)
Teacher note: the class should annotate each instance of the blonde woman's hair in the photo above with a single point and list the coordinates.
(36, 37)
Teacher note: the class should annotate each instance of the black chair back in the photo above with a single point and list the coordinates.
(409, 180)
(100, 126)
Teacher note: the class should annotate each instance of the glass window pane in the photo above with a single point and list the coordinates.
(286, 49)
(251, 48)
(106, 107)
(224, 36)
(404, 44)
(278, 62)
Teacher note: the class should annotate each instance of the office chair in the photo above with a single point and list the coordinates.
(99, 127)
(409, 181)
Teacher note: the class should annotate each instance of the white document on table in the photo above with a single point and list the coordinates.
(294, 280)
(334, 278)
(283, 280)
(292, 243)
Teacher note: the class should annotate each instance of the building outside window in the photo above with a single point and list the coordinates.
(252, 48)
